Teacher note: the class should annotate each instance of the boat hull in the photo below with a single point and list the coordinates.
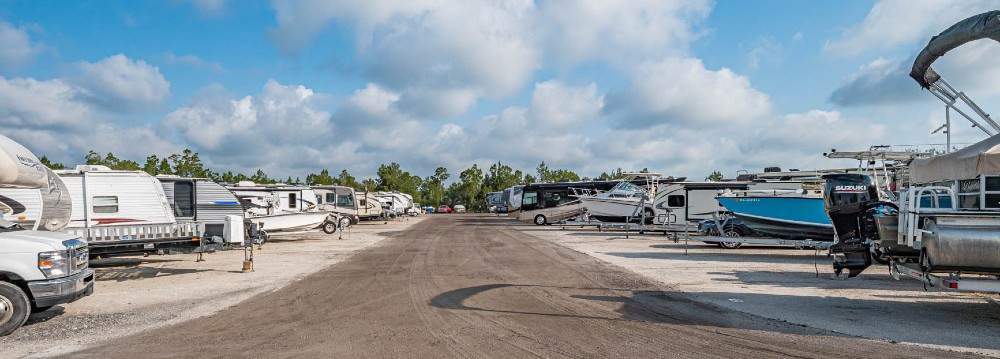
(291, 222)
(611, 209)
(783, 217)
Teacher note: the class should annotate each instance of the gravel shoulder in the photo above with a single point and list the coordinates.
(798, 286)
(136, 294)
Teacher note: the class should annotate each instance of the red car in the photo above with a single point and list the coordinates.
(444, 209)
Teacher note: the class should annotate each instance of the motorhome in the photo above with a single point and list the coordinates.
(338, 199)
(202, 200)
(546, 203)
(395, 203)
(40, 269)
(283, 208)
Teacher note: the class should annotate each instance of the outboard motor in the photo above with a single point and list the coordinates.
(848, 199)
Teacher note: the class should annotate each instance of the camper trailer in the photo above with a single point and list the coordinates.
(123, 211)
(338, 199)
(201, 200)
(369, 206)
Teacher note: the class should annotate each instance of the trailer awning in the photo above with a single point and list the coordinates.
(982, 158)
(982, 26)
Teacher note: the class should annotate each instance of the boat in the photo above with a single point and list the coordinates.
(783, 213)
(625, 201)
(283, 208)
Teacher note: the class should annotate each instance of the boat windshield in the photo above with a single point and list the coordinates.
(628, 187)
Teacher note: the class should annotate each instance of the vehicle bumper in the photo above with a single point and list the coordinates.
(47, 293)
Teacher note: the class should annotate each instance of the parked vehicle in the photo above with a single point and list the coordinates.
(428, 209)
(369, 206)
(546, 203)
(283, 208)
(38, 269)
(341, 200)
(459, 208)
(443, 209)
(203, 201)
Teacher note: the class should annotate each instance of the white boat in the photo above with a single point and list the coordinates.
(283, 208)
(624, 201)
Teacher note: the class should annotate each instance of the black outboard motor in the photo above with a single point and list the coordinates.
(848, 199)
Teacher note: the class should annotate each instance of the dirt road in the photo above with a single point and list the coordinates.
(472, 286)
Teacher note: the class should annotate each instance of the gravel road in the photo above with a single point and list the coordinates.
(474, 286)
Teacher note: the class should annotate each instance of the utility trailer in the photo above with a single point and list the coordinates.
(953, 281)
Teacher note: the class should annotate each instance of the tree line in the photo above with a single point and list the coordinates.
(468, 189)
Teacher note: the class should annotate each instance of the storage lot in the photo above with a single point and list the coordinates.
(783, 284)
(135, 294)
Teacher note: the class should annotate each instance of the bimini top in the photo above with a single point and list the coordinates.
(982, 26)
(982, 158)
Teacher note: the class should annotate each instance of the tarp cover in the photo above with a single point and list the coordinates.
(982, 158)
(982, 26)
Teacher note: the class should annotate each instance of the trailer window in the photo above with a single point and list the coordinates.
(105, 204)
(675, 200)
(293, 201)
(992, 193)
(184, 199)
(331, 198)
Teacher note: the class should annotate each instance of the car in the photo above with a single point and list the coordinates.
(444, 209)
(459, 208)
(428, 209)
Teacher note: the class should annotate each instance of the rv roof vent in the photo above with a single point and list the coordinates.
(91, 168)
(772, 169)
(246, 184)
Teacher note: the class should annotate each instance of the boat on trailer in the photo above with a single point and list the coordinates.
(283, 208)
(625, 201)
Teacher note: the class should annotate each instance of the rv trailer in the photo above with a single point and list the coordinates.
(338, 199)
(203, 201)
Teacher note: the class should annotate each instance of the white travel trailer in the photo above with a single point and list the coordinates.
(201, 200)
(283, 208)
(369, 206)
(338, 199)
(393, 202)
(120, 211)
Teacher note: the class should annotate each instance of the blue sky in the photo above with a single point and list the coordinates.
(682, 87)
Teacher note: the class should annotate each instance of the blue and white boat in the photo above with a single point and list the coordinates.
(789, 214)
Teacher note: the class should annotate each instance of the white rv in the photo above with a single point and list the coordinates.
(394, 203)
(283, 208)
(369, 206)
(338, 199)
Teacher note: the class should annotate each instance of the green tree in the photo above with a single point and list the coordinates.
(323, 178)
(345, 179)
(261, 177)
(188, 164)
(469, 191)
(93, 158)
(164, 168)
(52, 165)
(432, 190)
(715, 176)
(152, 165)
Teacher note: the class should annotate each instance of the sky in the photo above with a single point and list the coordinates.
(681, 87)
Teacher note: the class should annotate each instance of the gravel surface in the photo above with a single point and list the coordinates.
(798, 286)
(475, 286)
(135, 294)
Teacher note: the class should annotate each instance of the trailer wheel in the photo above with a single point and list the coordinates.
(732, 233)
(344, 222)
(14, 308)
(330, 227)
(540, 220)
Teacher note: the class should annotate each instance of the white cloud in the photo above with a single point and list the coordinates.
(682, 90)
(765, 49)
(16, 48)
(970, 68)
(441, 57)
(891, 23)
(555, 105)
(30, 103)
(119, 82)
(209, 7)
(621, 32)
(192, 61)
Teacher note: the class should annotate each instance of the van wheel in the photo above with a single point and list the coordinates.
(329, 227)
(344, 222)
(14, 308)
(540, 220)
